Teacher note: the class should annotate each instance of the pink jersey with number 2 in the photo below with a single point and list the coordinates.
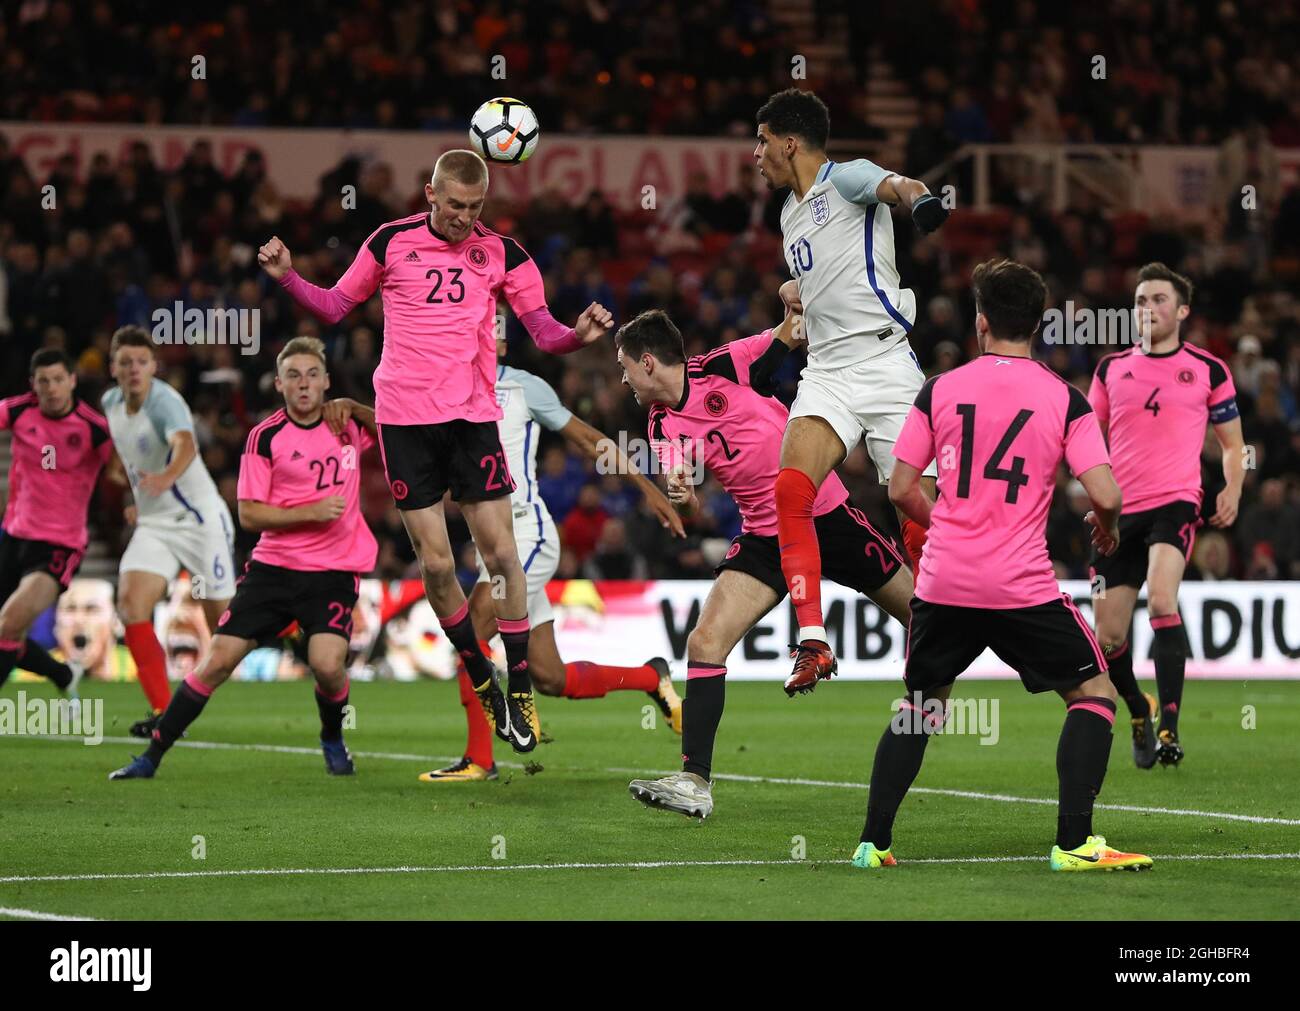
(735, 431)
(998, 427)
(286, 464)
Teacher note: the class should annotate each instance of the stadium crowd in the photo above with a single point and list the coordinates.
(994, 70)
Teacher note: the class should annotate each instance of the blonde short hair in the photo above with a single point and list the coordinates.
(460, 165)
(302, 346)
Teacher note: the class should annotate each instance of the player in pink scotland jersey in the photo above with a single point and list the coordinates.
(299, 484)
(60, 445)
(999, 427)
(707, 411)
(440, 273)
(1154, 405)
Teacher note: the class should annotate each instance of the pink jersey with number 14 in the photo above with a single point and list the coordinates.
(999, 426)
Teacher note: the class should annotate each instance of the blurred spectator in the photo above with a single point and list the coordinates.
(581, 528)
(613, 557)
(1269, 534)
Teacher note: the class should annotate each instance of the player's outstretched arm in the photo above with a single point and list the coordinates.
(595, 445)
(338, 412)
(927, 210)
(257, 516)
(907, 494)
(785, 338)
(526, 293)
(329, 304)
(1107, 500)
(1233, 444)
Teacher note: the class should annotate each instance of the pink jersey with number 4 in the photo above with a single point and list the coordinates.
(735, 431)
(439, 360)
(1156, 407)
(999, 427)
(286, 464)
(55, 463)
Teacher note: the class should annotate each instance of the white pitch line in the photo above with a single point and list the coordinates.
(574, 866)
(33, 914)
(288, 749)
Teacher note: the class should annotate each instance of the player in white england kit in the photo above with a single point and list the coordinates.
(862, 376)
(180, 519)
(528, 405)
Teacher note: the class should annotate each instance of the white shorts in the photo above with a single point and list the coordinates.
(539, 551)
(204, 550)
(868, 400)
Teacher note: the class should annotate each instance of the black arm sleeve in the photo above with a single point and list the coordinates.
(765, 366)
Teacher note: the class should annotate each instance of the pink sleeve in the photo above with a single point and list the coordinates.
(4, 415)
(364, 439)
(548, 333)
(523, 287)
(254, 478)
(106, 451)
(748, 350)
(332, 304)
(1099, 398)
(915, 445)
(667, 450)
(1084, 446)
(669, 453)
(1226, 390)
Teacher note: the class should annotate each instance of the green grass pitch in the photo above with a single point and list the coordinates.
(473, 850)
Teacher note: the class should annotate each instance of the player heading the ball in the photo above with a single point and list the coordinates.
(440, 273)
(861, 376)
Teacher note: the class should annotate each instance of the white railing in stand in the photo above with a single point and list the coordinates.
(1111, 174)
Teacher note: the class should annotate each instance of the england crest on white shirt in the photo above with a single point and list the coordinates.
(821, 209)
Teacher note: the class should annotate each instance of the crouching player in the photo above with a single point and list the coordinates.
(299, 485)
(1000, 426)
(712, 404)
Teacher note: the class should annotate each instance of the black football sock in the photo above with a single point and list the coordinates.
(706, 690)
(1120, 663)
(1170, 655)
(181, 711)
(898, 759)
(331, 713)
(1081, 757)
(38, 661)
(514, 636)
(460, 633)
(9, 650)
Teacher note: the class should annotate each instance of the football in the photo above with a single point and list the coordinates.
(504, 129)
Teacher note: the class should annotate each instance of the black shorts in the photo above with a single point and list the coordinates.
(269, 598)
(19, 556)
(854, 553)
(1173, 523)
(1049, 645)
(422, 462)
